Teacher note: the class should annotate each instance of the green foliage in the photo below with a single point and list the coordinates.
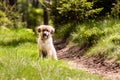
(31, 14)
(35, 17)
(15, 37)
(65, 11)
(92, 30)
(108, 45)
(23, 14)
(86, 33)
(19, 60)
(116, 9)
(106, 5)
(64, 31)
(9, 17)
(4, 21)
(103, 37)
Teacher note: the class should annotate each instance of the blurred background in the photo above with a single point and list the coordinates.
(31, 13)
(86, 30)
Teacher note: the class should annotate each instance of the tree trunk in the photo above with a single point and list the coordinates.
(35, 3)
(46, 13)
(45, 16)
(12, 2)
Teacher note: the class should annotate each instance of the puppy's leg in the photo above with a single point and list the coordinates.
(40, 53)
(49, 53)
(54, 54)
(44, 54)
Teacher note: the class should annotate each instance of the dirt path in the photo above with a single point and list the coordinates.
(95, 65)
(107, 75)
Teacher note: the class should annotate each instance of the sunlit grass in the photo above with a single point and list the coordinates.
(103, 37)
(19, 60)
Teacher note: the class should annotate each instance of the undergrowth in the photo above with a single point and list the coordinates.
(102, 37)
(64, 31)
(19, 60)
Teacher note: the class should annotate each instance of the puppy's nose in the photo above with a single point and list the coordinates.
(45, 33)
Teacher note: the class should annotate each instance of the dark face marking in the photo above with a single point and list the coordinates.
(45, 34)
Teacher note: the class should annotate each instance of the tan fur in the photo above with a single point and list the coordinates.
(49, 28)
(46, 44)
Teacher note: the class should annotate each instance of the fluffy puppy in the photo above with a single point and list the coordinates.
(45, 42)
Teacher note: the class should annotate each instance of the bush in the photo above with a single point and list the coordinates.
(22, 14)
(4, 21)
(66, 11)
(116, 9)
(106, 5)
(92, 31)
(31, 14)
(64, 31)
(88, 32)
(103, 38)
(9, 16)
(108, 45)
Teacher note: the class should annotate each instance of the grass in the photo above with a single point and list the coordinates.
(103, 37)
(19, 60)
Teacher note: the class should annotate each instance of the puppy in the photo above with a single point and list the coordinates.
(45, 42)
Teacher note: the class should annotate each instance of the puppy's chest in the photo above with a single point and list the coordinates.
(44, 44)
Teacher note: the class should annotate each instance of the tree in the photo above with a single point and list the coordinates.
(75, 11)
(45, 9)
(12, 2)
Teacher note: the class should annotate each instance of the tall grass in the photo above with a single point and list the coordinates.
(19, 60)
(102, 36)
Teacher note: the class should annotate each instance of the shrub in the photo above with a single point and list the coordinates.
(103, 38)
(87, 33)
(92, 31)
(108, 44)
(65, 11)
(9, 16)
(64, 31)
(116, 9)
(4, 21)
(32, 13)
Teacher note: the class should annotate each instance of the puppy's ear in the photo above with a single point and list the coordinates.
(38, 30)
(52, 30)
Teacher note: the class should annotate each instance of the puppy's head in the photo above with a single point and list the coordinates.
(45, 31)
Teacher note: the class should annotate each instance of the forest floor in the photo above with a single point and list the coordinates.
(75, 57)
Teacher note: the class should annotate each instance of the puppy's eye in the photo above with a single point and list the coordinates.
(39, 30)
(45, 30)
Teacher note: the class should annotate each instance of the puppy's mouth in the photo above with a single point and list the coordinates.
(45, 35)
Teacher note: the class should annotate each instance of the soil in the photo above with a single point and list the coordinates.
(96, 65)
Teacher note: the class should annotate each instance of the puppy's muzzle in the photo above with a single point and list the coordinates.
(45, 35)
